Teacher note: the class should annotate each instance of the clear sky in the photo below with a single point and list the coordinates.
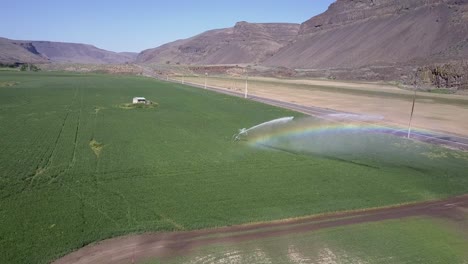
(135, 25)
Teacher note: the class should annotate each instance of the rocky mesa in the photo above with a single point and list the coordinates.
(243, 43)
(14, 52)
(20, 51)
(355, 33)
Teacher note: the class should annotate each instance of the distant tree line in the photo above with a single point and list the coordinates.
(8, 65)
(29, 67)
(20, 66)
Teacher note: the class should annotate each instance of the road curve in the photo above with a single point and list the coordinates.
(138, 248)
(450, 140)
(455, 141)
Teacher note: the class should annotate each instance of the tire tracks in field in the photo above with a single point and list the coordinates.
(98, 185)
(83, 201)
(37, 140)
(41, 170)
(72, 161)
(178, 226)
(128, 215)
(20, 184)
(75, 141)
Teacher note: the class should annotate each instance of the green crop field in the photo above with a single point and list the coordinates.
(412, 240)
(77, 167)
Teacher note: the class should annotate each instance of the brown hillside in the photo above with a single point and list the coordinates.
(244, 43)
(79, 53)
(378, 32)
(20, 51)
(12, 51)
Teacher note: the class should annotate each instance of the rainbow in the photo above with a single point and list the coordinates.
(310, 129)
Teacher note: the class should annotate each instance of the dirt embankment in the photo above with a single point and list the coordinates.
(137, 248)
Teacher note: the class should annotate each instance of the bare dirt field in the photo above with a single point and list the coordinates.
(137, 248)
(435, 112)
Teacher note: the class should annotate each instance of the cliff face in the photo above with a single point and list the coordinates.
(451, 75)
(14, 51)
(78, 53)
(344, 12)
(355, 33)
(244, 43)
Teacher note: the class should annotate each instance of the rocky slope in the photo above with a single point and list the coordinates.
(78, 53)
(244, 43)
(453, 76)
(354, 33)
(13, 51)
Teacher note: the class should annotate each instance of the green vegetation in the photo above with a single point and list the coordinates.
(96, 147)
(442, 91)
(139, 106)
(8, 69)
(413, 240)
(29, 67)
(75, 169)
(8, 84)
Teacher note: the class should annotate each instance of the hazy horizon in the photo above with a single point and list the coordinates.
(141, 24)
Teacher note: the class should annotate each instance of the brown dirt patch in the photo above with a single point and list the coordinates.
(96, 147)
(394, 104)
(8, 84)
(137, 248)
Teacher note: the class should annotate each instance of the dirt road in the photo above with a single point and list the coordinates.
(447, 139)
(137, 248)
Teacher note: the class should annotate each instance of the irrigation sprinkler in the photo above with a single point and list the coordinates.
(243, 132)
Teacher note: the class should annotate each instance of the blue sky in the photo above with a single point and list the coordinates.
(136, 25)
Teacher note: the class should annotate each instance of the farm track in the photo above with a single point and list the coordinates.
(137, 248)
(450, 140)
(72, 160)
(75, 141)
(48, 158)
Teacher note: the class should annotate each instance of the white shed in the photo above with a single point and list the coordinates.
(139, 100)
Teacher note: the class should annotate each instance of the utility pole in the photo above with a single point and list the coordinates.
(246, 86)
(206, 75)
(412, 107)
(411, 117)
